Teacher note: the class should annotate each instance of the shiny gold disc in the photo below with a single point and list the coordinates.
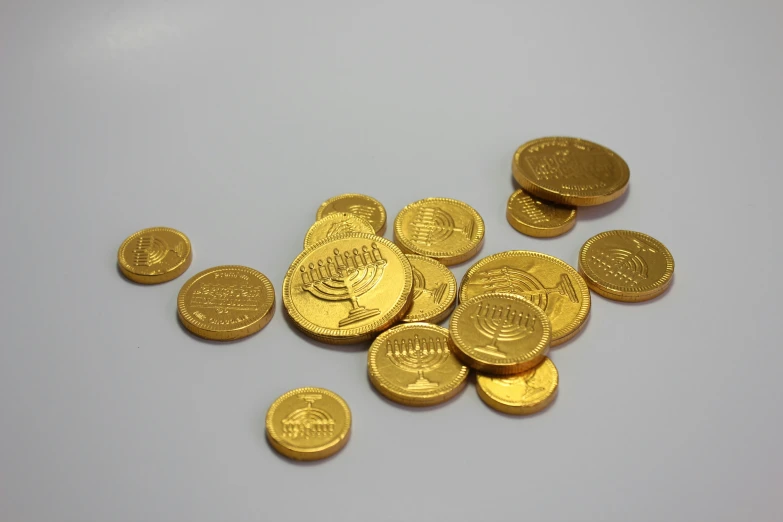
(347, 288)
(226, 302)
(546, 281)
(445, 229)
(308, 424)
(500, 334)
(522, 394)
(570, 171)
(367, 208)
(154, 255)
(537, 217)
(626, 266)
(434, 291)
(337, 223)
(412, 364)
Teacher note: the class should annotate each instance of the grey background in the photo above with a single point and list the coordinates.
(233, 122)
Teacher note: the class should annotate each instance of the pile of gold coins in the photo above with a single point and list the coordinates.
(351, 285)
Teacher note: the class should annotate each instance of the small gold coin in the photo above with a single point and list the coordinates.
(445, 229)
(499, 333)
(367, 208)
(626, 266)
(570, 171)
(546, 281)
(347, 288)
(154, 255)
(434, 290)
(226, 302)
(538, 218)
(522, 394)
(413, 365)
(308, 424)
(337, 223)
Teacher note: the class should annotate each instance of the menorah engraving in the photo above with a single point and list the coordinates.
(151, 250)
(342, 227)
(420, 287)
(590, 167)
(501, 324)
(524, 284)
(346, 276)
(418, 356)
(308, 422)
(433, 225)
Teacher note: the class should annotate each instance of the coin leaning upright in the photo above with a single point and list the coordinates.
(366, 207)
(154, 255)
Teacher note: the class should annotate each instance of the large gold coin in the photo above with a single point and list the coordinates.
(367, 208)
(528, 392)
(412, 364)
(445, 229)
(626, 266)
(434, 290)
(308, 424)
(499, 333)
(154, 255)
(546, 281)
(226, 302)
(537, 217)
(347, 288)
(337, 223)
(570, 171)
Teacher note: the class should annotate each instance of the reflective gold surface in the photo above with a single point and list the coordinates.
(536, 217)
(154, 255)
(335, 224)
(434, 290)
(366, 207)
(528, 392)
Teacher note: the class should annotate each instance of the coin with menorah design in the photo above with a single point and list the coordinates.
(536, 217)
(365, 207)
(445, 229)
(347, 288)
(154, 255)
(546, 281)
(570, 171)
(412, 364)
(226, 302)
(434, 290)
(308, 424)
(337, 223)
(520, 394)
(626, 266)
(499, 333)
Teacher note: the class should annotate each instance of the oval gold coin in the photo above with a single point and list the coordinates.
(226, 302)
(413, 365)
(626, 266)
(538, 218)
(570, 171)
(546, 281)
(308, 424)
(367, 208)
(347, 288)
(154, 255)
(337, 223)
(434, 290)
(528, 392)
(499, 333)
(445, 229)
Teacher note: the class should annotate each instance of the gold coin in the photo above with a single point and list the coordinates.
(154, 255)
(337, 223)
(308, 424)
(499, 333)
(538, 218)
(546, 281)
(347, 288)
(226, 302)
(626, 266)
(442, 228)
(434, 290)
(528, 392)
(367, 208)
(413, 365)
(570, 171)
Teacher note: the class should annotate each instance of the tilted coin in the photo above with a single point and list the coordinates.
(521, 394)
(536, 217)
(499, 333)
(226, 302)
(367, 208)
(626, 266)
(337, 223)
(445, 229)
(434, 290)
(154, 255)
(570, 171)
(546, 281)
(347, 288)
(308, 424)
(412, 364)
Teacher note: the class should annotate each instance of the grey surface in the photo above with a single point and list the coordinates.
(234, 122)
